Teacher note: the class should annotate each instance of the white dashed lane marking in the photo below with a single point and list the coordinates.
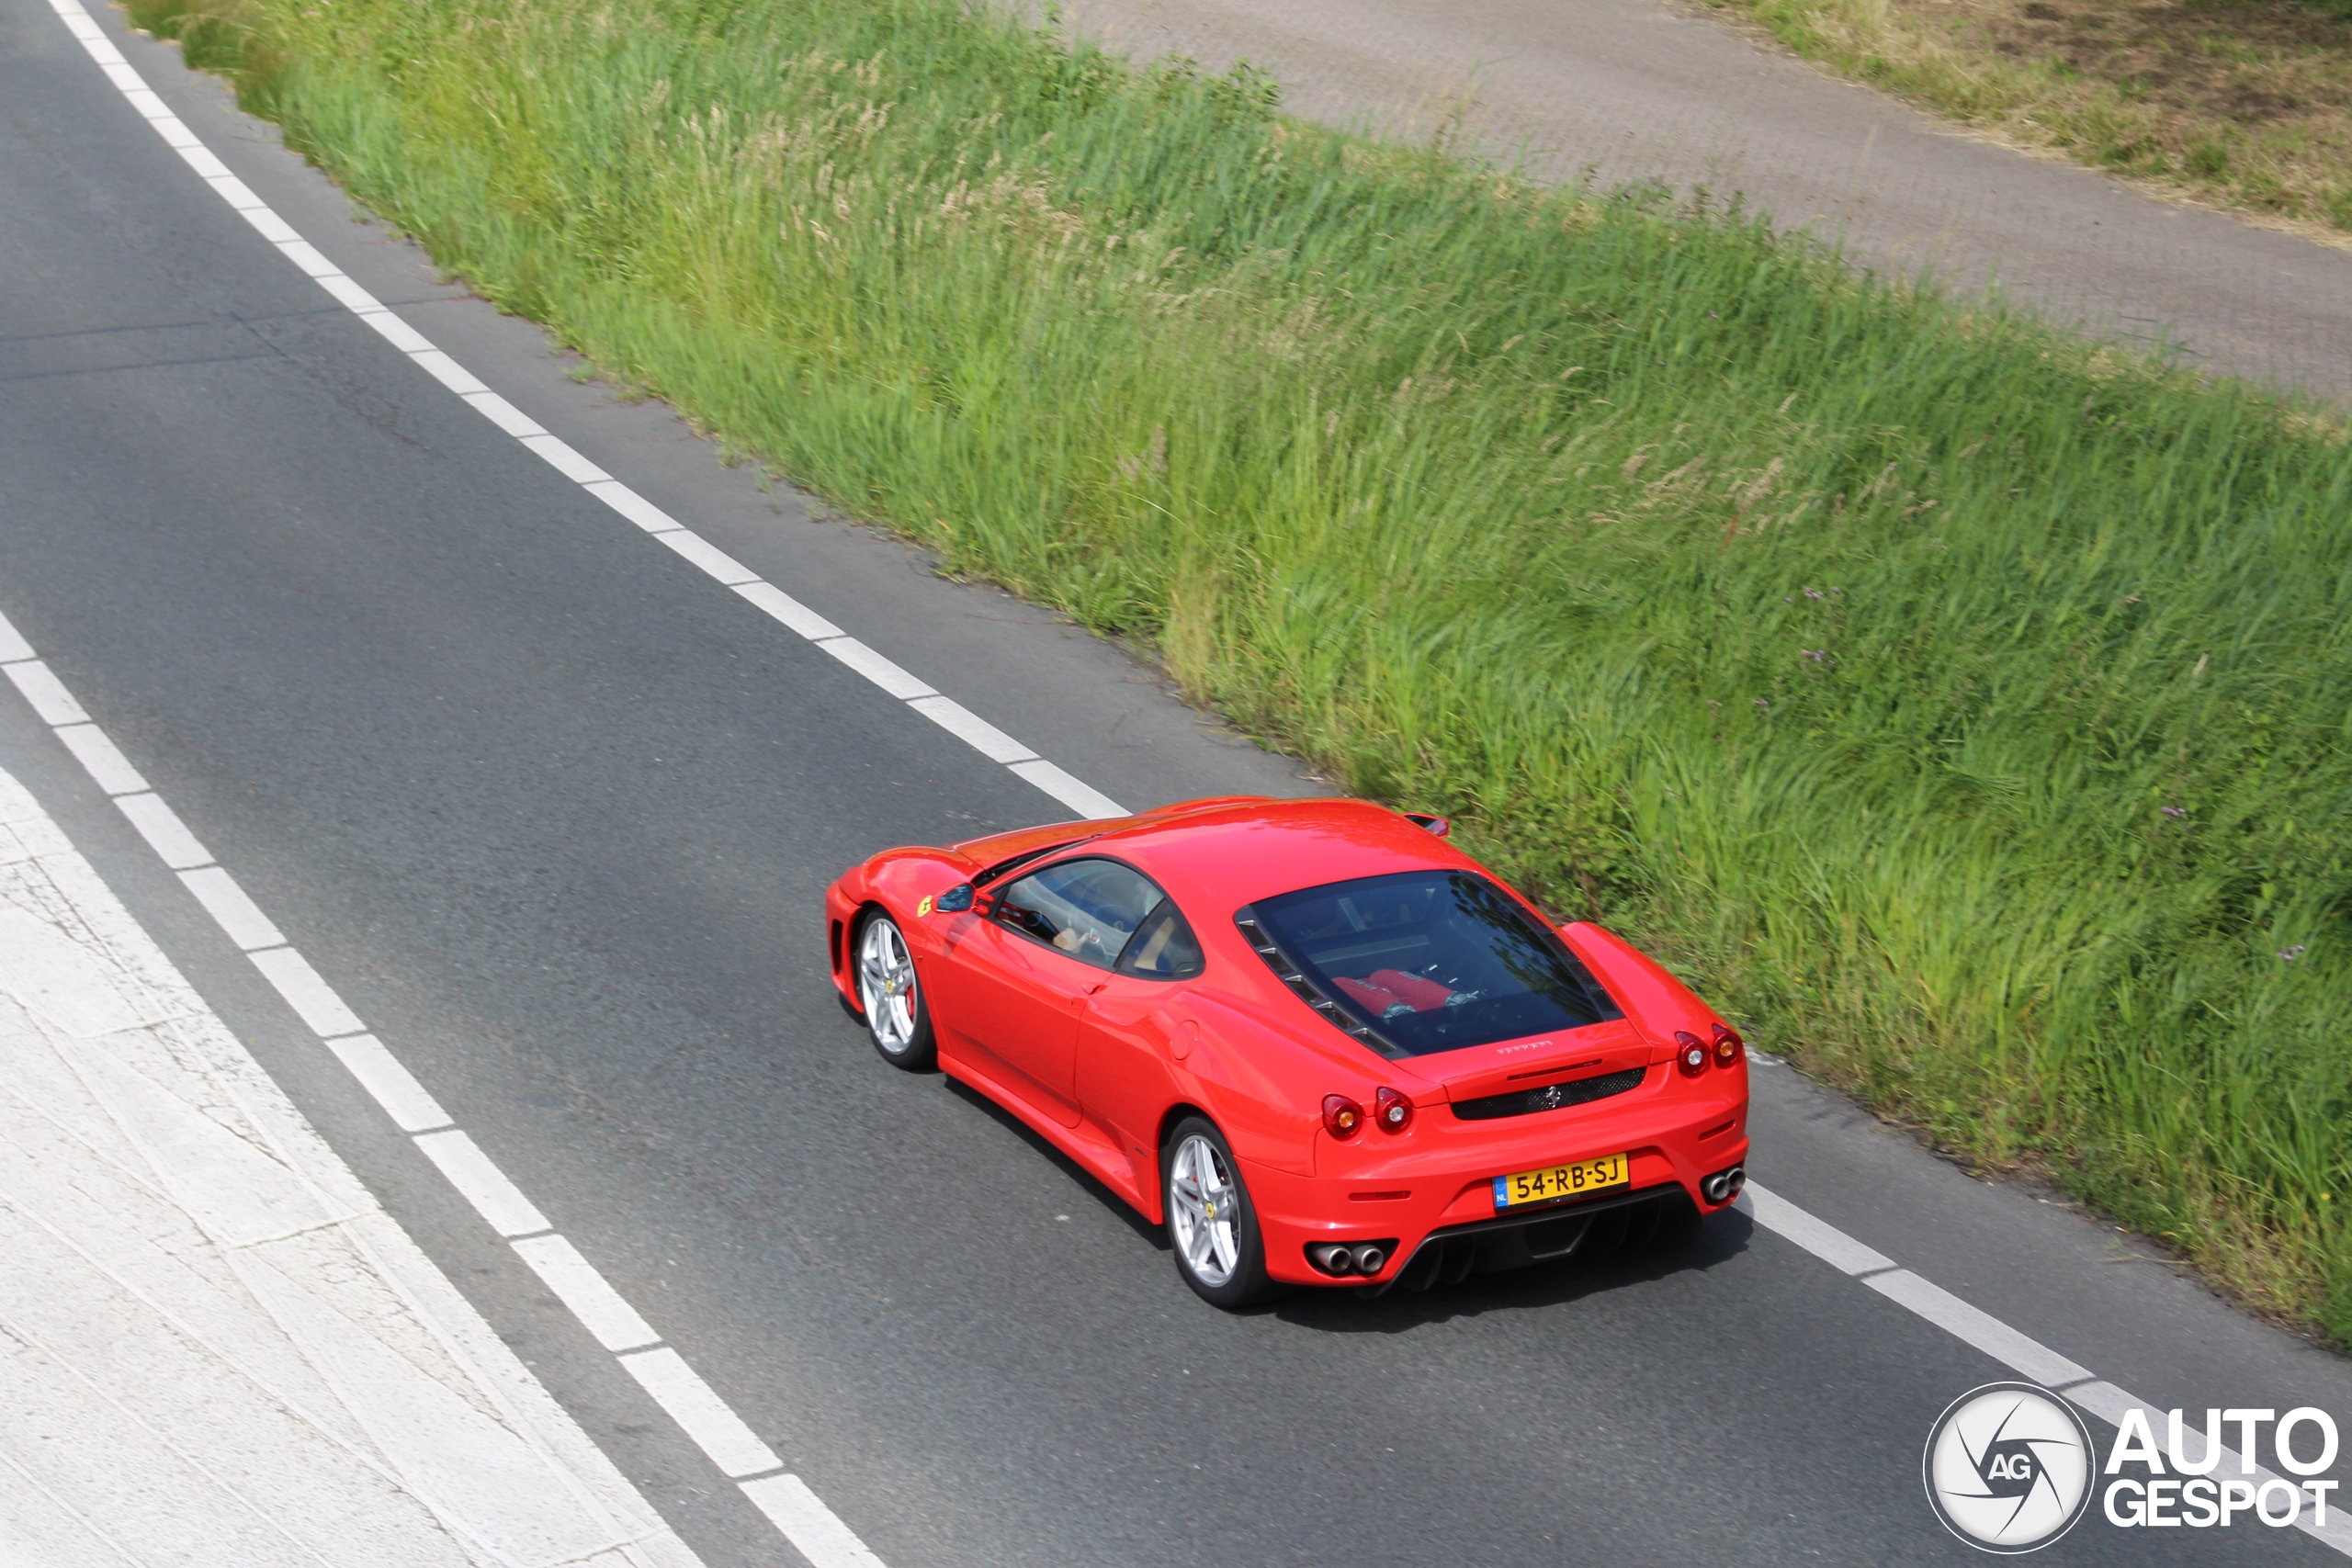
(219, 1346)
(2021, 1353)
(666, 1375)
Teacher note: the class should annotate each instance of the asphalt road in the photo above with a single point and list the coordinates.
(554, 812)
(1659, 90)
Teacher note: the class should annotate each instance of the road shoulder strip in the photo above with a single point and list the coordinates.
(210, 1330)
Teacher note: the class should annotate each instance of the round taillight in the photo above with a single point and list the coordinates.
(1727, 1047)
(1690, 1055)
(1342, 1117)
(1394, 1113)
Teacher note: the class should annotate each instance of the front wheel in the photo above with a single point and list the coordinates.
(896, 1014)
(1211, 1224)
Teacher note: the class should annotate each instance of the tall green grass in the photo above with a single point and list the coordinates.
(1964, 706)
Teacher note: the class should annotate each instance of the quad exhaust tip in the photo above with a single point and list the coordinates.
(1725, 1185)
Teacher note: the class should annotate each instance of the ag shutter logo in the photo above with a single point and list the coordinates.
(2009, 1467)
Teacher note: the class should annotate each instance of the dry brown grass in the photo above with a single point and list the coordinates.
(2239, 105)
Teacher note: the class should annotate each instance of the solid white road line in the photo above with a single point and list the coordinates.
(666, 1375)
(95, 752)
(305, 992)
(799, 618)
(709, 557)
(972, 730)
(162, 827)
(1988, 1333)
(497, 1200)
(1079, 796)
(808, 1524)
(47, 693)
(677, 1388)
(226, 902)
(1000, 747)
(1833, 1247)
(592, 1299)
(391, 1085)
(876, 667)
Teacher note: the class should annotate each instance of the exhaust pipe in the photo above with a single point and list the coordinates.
(1725, 1185)
(1368, 1258)
(1332, 1258)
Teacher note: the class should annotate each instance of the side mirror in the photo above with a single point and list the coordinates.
(1437, 827)
(955, 900)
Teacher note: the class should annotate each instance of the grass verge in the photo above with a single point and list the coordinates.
(1964, 706)
(2246, 103)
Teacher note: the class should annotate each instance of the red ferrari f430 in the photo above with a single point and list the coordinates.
(1319, 1043)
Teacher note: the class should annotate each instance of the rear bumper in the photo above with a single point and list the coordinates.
(1453, 1253)
(1433, 1197)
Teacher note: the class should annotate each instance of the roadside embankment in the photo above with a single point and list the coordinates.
(1964, 706)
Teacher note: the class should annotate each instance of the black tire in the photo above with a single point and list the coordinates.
(892, 997)
(1215, 1218)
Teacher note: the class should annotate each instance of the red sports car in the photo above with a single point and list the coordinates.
(1322, 1044)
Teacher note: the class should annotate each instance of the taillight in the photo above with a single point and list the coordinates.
(1727, 1047)
(1392, 1111)
(1342, 1117)
(1690, 1055)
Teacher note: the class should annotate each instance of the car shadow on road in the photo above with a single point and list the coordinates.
(1706, 1245)
(1078, 1175)
(1703, 1246)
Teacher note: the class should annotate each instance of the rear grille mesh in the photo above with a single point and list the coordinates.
(1551, 1096)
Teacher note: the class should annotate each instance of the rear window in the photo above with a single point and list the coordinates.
(1431, 961)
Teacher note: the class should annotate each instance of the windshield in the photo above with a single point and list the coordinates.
(1433, 960)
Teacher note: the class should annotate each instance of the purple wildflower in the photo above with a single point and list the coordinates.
(2174, 811)
(2291, 954)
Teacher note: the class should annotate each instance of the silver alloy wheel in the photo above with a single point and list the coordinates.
(886, 984)
(1203, 1203)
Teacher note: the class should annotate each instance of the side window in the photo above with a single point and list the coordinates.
(1163, 947)
(1088, 909)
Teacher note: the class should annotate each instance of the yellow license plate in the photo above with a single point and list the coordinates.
(1554, 1182)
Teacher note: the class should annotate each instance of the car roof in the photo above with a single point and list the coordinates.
(1226, 855)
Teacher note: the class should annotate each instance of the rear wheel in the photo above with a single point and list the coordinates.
(896, 1015)
(1211, 1224)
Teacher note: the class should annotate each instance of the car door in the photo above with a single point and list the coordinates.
(1019, 979)
(1133, 1032)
